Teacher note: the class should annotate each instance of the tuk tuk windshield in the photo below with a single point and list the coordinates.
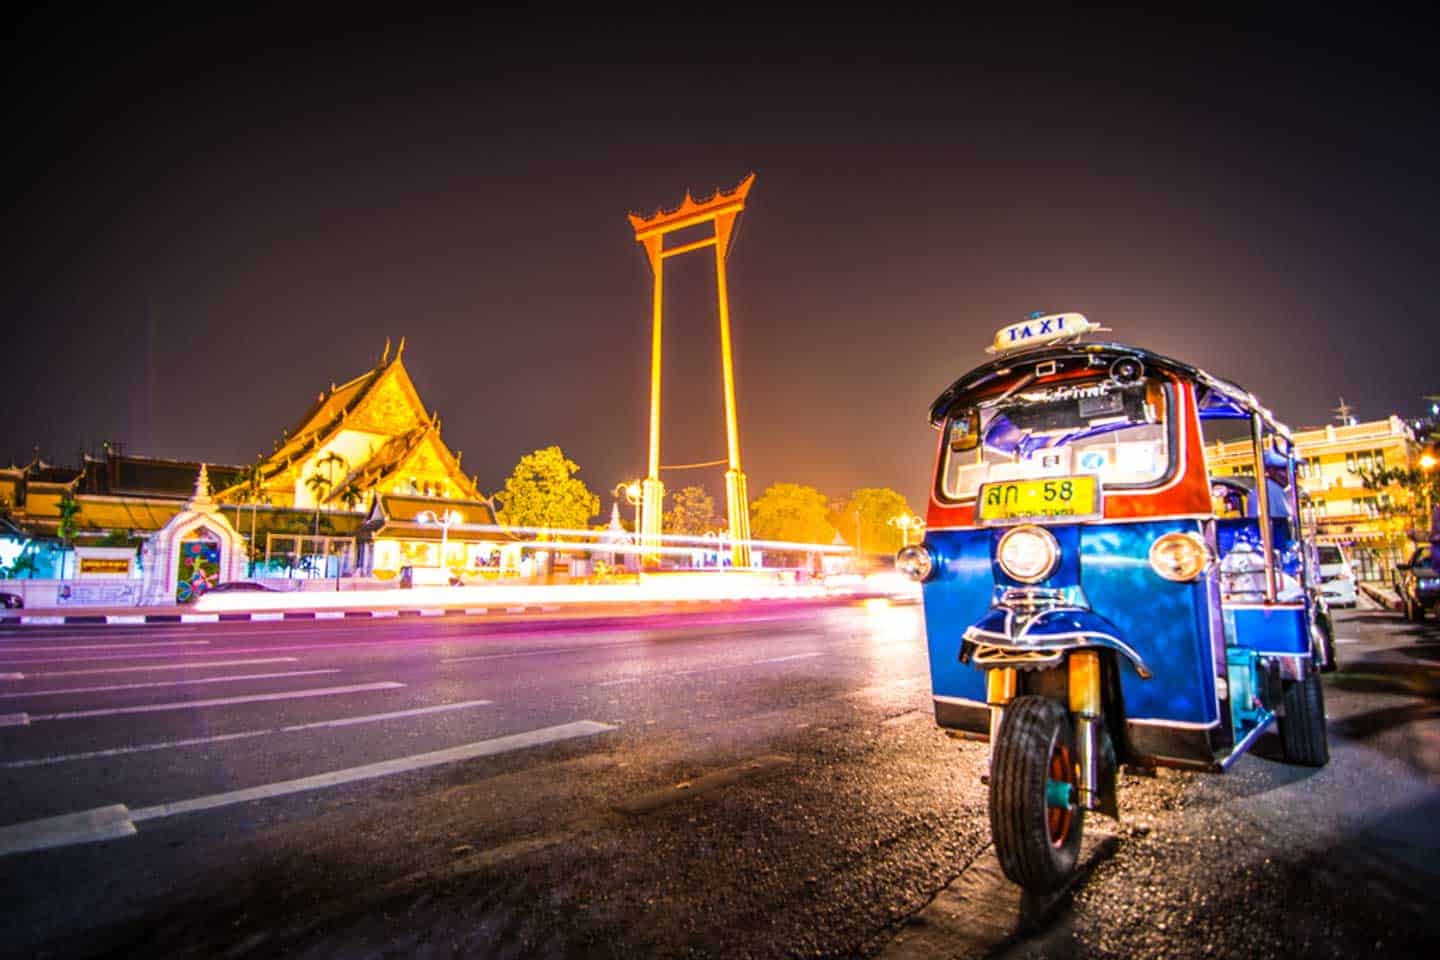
(1117, 432)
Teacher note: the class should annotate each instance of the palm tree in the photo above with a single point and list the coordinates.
(66, 529)
(320, 486)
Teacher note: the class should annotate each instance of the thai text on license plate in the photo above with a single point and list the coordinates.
(1014, 500)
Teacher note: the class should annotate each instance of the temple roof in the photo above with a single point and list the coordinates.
(397, 515)
(382, 402)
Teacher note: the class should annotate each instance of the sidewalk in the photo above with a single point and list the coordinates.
(1383, 595)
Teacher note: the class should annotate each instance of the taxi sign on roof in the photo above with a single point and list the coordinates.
(1041, 329)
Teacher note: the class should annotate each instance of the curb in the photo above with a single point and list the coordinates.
(257, 616)
(271, 616)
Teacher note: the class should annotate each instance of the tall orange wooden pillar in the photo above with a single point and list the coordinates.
(721, 210)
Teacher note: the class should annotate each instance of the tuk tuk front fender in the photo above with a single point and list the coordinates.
(1005, 637)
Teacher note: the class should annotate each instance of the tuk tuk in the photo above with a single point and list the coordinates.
(1093, 597)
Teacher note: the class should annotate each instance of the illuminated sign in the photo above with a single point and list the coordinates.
(1038, 330)
(104, 566)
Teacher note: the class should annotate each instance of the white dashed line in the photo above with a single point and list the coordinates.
(221, 702)
(385, 768)
(117, 820)
(102, 823)
(242, 735)
(158, 666)
(793, 656)
(103, 646)
(163, 683)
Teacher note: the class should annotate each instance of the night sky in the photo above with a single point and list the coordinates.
(207, 222)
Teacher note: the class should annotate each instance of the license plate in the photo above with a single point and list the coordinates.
(1012, 501)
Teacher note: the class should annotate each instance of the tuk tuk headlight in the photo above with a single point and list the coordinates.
(1028, 553)
(915, 562)
(1179, 556)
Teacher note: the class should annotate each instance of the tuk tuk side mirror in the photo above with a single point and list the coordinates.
(964, 431)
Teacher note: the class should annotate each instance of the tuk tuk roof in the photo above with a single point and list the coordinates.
(1218, 398)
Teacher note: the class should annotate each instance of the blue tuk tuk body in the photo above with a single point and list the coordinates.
(1088, 600)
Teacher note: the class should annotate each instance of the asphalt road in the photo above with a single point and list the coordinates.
(764, 783)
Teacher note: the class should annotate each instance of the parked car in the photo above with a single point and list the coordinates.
(1337, 575)
(241, 586)
(1418, 583)
(11, 601)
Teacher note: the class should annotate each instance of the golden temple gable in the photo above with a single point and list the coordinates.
(367, 436)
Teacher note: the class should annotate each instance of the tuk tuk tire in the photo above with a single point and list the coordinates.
(1302, 726)
(1037, 845)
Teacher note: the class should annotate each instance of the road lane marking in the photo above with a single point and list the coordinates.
(117, 820)
(158, 666)
(69, 648)
(14, 719)
(547, 652)
(370, 771)
(241, 735)
(393, 715)
(87, 826)
(221, 702)
(164, 683)
(12, 676)
(138, 748)
(793, 656)
(1347, 640)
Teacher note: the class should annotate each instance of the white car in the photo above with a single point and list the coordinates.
(1337, 575)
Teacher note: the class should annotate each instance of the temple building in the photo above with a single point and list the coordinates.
(362, 485)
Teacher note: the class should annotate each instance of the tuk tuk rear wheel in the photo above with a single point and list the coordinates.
(1035, 816)
(1303, 738)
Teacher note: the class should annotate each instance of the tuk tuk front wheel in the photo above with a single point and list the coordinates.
(1303, 740)
(1035, 816)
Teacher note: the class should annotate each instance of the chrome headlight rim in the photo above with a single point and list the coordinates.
(1197, 543)
(924, 562)
(1052, 548)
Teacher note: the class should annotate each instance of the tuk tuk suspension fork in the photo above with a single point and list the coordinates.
(1001, 686)
(1085, 707)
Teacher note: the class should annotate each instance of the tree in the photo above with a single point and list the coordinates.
(321, 486)
(791, 511)
(1412, 512)
(693, 513)
(864, 519)
(67, 526)
(543, 491)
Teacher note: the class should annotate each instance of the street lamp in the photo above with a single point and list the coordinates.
(906, 522)
(446, 518)
(631, 491)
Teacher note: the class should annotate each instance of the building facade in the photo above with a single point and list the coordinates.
(1333, 460)
(362, 485)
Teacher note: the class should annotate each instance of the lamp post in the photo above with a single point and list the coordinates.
(906, 522)
(445, 519)
(631, 491)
